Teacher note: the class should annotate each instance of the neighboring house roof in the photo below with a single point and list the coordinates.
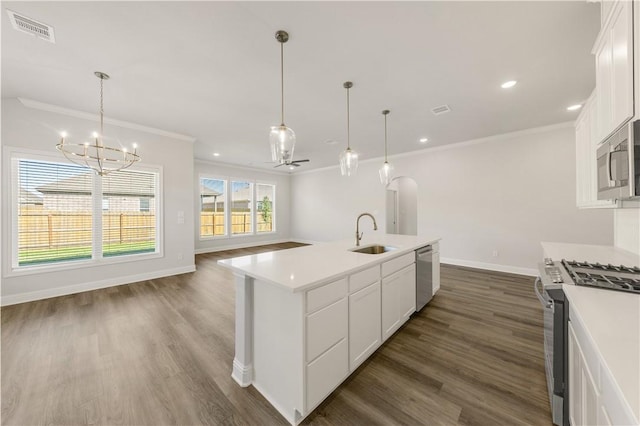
(29, 197)
(119, 184)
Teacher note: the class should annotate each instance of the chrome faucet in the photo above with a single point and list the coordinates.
(358, 233)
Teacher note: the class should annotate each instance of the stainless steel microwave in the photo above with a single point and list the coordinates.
(619, 164)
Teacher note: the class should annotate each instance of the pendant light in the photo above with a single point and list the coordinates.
(386, 170)
(95, 155)
(282, 138)
(348, 157)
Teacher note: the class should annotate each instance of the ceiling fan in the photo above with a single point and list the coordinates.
(292, 163)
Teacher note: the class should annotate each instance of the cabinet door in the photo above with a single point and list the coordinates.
(407, 293)
(583, 146)
(398, 299)
(575, 380)
(603, 87)
(390, 316)
(364, 324)
(436, 272)
(621, 28)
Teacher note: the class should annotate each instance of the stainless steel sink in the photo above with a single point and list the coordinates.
(373, 249)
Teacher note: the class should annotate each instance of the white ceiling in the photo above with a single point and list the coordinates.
(211, 69)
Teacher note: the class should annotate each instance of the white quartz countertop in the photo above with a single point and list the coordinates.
(303, 268)
(590, 253)
(612, 321)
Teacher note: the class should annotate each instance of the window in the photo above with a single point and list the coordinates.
(265, 195)
(212, 207)
(66, 213)
(241, 207)
(251, 208)
(126, 228)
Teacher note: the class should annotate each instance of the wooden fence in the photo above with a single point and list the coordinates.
(48, 230)
(212, 224)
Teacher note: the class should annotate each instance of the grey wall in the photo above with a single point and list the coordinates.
(506, 194)
(38, 130)
(282, 209)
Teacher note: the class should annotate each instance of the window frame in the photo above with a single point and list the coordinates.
(12, 156)
(254, 212)
(226, 208)
(273, 207)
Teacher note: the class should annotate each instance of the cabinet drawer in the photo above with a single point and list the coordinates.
(364, 278)
(398, 263)
(326, 295)
(326, 327)
(326, 373)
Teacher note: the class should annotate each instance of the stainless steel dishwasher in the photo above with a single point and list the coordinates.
(424, 276)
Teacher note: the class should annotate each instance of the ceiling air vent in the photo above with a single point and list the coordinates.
(31, 26)
(442, 109)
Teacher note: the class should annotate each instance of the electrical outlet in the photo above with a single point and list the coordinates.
(180, 256)
(495, 253)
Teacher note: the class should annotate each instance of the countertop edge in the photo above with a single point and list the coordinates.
(325, 280)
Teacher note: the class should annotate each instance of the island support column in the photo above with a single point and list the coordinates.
(243, 361)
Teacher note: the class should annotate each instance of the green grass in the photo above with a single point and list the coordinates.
(65, 254)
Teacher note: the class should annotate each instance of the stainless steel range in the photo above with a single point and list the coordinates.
(621, 278)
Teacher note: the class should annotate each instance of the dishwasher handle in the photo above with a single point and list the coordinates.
(424, 250)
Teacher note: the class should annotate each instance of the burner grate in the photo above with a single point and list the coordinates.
(622, 278)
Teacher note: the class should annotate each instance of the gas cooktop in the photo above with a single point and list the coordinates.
(611, 277)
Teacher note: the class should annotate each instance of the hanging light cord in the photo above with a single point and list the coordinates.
(348, 123)
(385, 138)
(282, 81)
(101, 110)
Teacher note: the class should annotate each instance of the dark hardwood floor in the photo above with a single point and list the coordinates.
(160, 351)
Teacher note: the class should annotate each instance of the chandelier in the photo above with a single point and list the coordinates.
(282, 138)
(96, 155)
(348, 157)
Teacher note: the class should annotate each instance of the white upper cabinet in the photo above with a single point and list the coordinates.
(613, 52)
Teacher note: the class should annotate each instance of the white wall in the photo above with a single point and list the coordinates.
(504, 193)
(38, 130)
(282, 206)
(627, 229)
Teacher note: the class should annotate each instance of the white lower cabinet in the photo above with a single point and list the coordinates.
(594, 398)
(326, 372)
(306, 344)
(398, 299)
(583, 390)
(364, 324)
(436, 271)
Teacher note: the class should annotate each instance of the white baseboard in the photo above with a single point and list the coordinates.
(302, 241)
(241, 245)
(14, 299)
(491, 266)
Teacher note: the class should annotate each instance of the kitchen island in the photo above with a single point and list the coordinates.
(307, 317)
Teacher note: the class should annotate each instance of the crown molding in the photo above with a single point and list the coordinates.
(30, 103)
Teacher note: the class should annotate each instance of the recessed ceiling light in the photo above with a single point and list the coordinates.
(216, 154)
(508, 84)
(574, 107)
(292, 168)
(424, 140)
(331, 141)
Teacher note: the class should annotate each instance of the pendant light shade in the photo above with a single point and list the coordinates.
(348, 157)
(386, 171)
(282, 138)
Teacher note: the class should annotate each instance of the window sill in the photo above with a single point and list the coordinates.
(80, 264)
